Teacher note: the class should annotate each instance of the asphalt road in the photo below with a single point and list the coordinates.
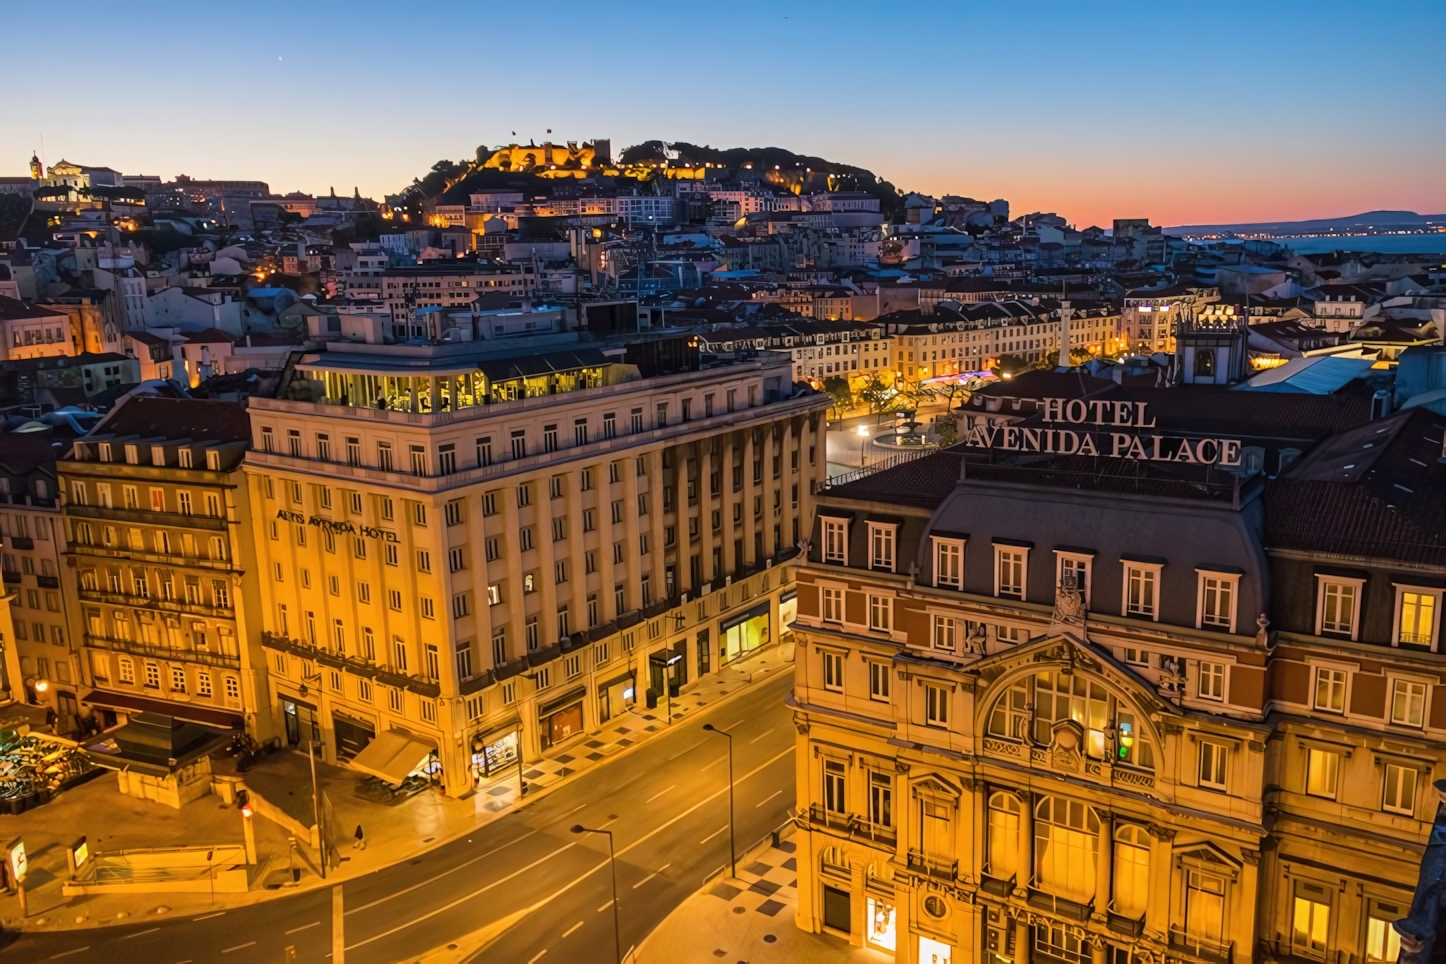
(545, 893)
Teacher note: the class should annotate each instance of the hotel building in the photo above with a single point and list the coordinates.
(497, 544)
(1067, 709)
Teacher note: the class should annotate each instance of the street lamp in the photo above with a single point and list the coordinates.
(668, 684)
(613, 862)
(732, 849)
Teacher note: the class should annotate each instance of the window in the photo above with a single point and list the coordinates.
(1212, 765)
(1204, 906)
(1383, 944)
(835, 781)
(1416, 623)
(1009, 572)
(1074, 571)
(1142, 591)
(835, 540)
(936, 705)
(1337, 607)
(524, 495)
(1066, 848)
(453, 512)
(1322, 772)
(543, 678)
(489, 503)
(364, 690)
(945, 636)
(833, 671)
(1212, 681)
(881, 613)
(1002, 855)
(1330, 690)
(424, 561)
(1132, 871)
(1408, 702)
(881, 546)
(457, 558)
(519, 443)
(1398, 794)
(1217, 601)
(879, 681)
(833, 605)
(549, 438)
(949, 563)
(1310, 920)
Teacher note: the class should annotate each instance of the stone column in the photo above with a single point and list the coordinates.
(1104, 862)
(751, 452)
(1099, 951)
(1157, 913)
(1026, 844)
(1021, 939)
(729, 498)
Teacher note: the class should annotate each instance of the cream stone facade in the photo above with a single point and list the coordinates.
(502, 546)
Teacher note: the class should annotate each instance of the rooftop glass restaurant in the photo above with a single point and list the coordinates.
(401, 381)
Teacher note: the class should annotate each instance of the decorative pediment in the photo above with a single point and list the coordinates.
(1206, 852)
(938, 786)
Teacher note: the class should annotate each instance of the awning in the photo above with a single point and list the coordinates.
(189, 712)
(760, 610)
(393, 756)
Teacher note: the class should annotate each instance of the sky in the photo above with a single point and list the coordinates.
(1182, 113)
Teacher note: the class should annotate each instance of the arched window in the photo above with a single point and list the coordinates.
(1132, 871)
(832, 860)
(1112, 729)
(1003, 852)
(1066, 848)
(1010, 716)
(1058, 697)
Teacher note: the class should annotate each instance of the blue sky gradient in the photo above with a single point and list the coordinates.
(1180, 113)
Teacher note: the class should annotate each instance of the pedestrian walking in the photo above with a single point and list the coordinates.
(361, 839)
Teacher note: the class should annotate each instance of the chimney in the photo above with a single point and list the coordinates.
(178, 362)
(1380, 404)
(205, 363)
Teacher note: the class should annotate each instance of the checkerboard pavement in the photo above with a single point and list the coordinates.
(749, 918)
(585, 750)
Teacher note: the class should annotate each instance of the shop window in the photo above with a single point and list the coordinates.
(1066, 848)
(882, 927)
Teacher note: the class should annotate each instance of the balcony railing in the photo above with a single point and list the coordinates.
(934, 866)
(1203, 948)
(154, 602)
(853, 825)
(355, 665)
(1059, 906)
(156, 651)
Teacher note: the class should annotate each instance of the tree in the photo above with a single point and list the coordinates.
(840, 395)
(876, 395)
(946, 429)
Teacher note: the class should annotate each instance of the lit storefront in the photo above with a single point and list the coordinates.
(352, 734)
(740, 635)
(880, 924)
(493, 751)
(934, 952)
(787, 610)
(561, 718)
(616, 696)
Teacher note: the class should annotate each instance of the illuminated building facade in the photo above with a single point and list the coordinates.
(516, 540)
(1067, 709)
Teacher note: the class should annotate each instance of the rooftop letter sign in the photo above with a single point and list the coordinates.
(1115, 429)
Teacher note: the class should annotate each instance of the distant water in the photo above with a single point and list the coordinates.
(1384, 243)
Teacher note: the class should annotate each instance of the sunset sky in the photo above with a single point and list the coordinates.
(1179, 113)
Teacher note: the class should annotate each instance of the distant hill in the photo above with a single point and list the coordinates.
(450, 182)
(1369, 223)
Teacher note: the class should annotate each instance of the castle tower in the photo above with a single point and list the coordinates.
(36, 170)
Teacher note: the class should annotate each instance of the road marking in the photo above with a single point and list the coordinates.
(604, 907)
(463, 899)
(763, 734)
(538, 956)
(569, 932)
(713, 764)
(712, 835)
(651, 876)
(56, 957)
(571, 812)
(660, 793)
(139, 933)
(239, 947)
(434, 879)
(776, 793)
(296, 930)
(208, 916)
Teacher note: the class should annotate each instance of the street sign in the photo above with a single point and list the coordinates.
(15, 859)
(81, 851)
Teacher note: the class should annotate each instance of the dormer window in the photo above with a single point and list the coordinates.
(158, 455)
(183, 458)
(213, 460)
(948, 561)
(835, 540)
(882, 538)
(1141, 588)
(1338, 605)
(133, 454)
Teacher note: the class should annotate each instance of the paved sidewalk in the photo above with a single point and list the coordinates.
(749, 919)
(395, 830)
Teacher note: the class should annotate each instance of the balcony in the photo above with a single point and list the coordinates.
(22, 542)
(48, 582)
(853, 825)
(938, 867)
(179, 520)
(12, 578)
(1059, 906)
(1120, 924)
(354, 665)
(154, 603)
(997, 886)
(1204, 949)
(156, 651)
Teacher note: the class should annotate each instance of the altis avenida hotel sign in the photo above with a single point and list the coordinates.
(1114, 429)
